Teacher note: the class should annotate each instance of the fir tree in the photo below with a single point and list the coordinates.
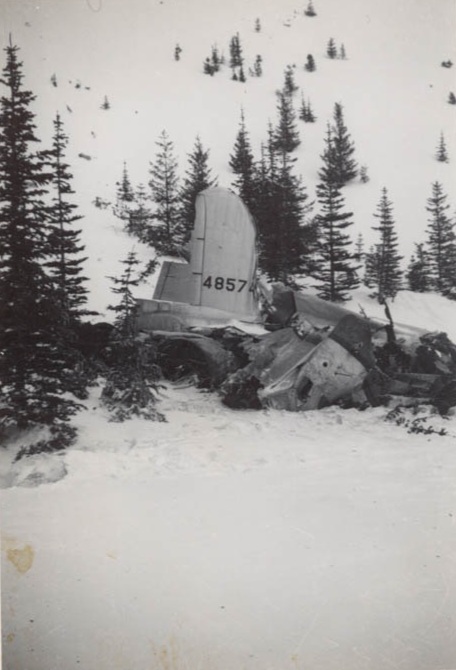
(336, 265)
(140, 217)
(389, 274)
(285, 238)
(125, 309)
(177, 52)
(208, 67)
(124, 194)
(258, 66)
(452, 98)
(197, 178)
(418, 276)
(215, 59)
(65, 263)
(54, 80)
(33, 340)
(289, 86)
(236, 57)
(442, 153)
(342, 53)
(242, 163)
(363, 175)
(131, 384)
(372, 266)
(440, 242)
(310, 65)
(286, 133)
(105, 104)
(310, 10)
(331, 49)
(306, 113)
(359, 248)
(344, 149)
(165, 234)
(257, 25)
(131, 206)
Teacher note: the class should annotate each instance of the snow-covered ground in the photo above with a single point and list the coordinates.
(227, 540)
(222, 539)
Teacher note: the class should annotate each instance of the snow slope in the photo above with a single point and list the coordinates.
(224, 540)
(392, 86)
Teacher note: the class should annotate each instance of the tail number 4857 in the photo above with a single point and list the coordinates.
(225, 284)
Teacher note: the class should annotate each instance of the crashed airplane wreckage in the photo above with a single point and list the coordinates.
(266, 345)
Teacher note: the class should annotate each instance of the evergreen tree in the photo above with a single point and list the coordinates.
(33, 340)
(343, 147)
(197, 178)
(124, 195)
(418, 277)
(105, 104)
(65, 262)
(389, 274)
(310, 65)
(452, 98)
(359, 248)
(242, 163)
(363, 175)
(257, 25)
(140, 217)
(236, 57)
(306, 113)
(289, 86)
(310, 10)
(440, 242)
(177, 52)
(336, 265)
(258, 66)
(372, 266)
(286, 133)
(342, 52)
(133, 207)
(215, 59)
(285, 238)
(125, 309)
(131, 384)
(331, 49)
(442, 153)
(208, 67)
(165, 234)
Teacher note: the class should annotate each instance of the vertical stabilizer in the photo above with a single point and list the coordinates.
(223, 253)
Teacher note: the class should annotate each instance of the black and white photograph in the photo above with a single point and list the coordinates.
(228, 334)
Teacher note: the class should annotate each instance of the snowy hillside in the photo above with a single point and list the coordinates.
(392, 86)
(221, 539)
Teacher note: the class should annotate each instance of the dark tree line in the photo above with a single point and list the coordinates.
(42, 292)
(46, 350)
